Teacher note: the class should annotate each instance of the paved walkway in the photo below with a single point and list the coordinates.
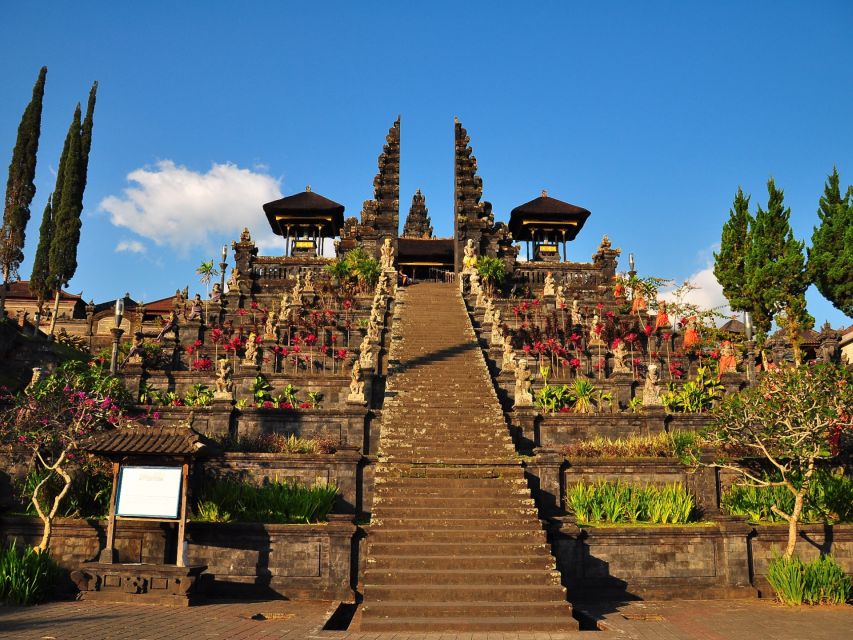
(683, 620)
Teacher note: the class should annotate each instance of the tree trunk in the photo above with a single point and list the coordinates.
(3, 291)
(793, 520)
(55, 312)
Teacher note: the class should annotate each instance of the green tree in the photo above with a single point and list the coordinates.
(793, 418)
(20, 188)
(831, 253)
(776, 276)
(492, 272)
(729, 263)
(40, 277)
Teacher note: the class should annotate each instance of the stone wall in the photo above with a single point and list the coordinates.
(813, 540)
(243, 559)
(340, 468)
(707, 561)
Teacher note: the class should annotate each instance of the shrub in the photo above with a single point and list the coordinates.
(26, 576)
(821, 581)
(271, 502)
(829, 499)
(695, 396)
(278, 443)
(683, 445)
(88, 496)
(620, 503)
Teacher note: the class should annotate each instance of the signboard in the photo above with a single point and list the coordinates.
(547, 248)
(304, 244)
(149, 492)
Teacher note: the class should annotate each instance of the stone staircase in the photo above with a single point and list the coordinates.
(455, 543)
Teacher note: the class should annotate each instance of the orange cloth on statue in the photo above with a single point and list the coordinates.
(691, 338)
(639, 304)
(661, 320)
(619, 290)
(728, 363)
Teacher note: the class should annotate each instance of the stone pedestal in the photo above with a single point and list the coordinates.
(222, 408)
(733, 381)
(523, 421)
(547, 465)
(623, 384)
(138, 583)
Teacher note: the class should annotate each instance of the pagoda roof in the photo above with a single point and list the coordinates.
(305, 209)
(545, 212)
(20, 289)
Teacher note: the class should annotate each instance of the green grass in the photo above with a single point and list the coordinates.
(821, 581)
(684, 445)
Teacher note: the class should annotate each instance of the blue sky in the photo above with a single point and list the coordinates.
(648, 114)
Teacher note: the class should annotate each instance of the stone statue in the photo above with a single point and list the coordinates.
(595, 336)
(309, 280)
(356, 384)
(651, 389)
(508, 363)
(560, 297)
(619, 354)
(481, 294)
(550, 285)
(224, 382)
(662, 318)
(178, 302)
(250, 357)
(171, 325)
(282, 309)
(270, 328)
(691, 334)
(134, 356)
(245, 236)
(488, 311)
(216, 293)
(387, 256)
(469, 261)
(296, 291)
(575, 312)
(497, 330)
(196, 308)
(366, 353)
(234, 280)
(728, 358)
(523, 397)
(373, 331)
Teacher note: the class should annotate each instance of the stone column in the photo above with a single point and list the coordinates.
(549, 468)
(624, 386)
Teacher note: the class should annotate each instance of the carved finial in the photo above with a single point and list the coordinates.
(544, 193)
(455, 120)
(308, 188)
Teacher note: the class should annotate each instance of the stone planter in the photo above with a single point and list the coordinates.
(558, 429)
(687, 421)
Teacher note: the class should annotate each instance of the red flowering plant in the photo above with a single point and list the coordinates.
(52, 418)
(201, 364)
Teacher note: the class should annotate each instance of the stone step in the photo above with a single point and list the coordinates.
(450, 577)
(388, 610)
(539, 562)
(447, 523)
(520, 501)
(418, 593)
(463, 548)
(474, 510)
(463, 624)
(387, 534)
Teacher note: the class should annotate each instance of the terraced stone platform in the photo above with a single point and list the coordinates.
(455, 543)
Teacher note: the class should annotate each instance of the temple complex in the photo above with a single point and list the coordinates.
(444, 405)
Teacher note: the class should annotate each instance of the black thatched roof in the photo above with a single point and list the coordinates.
(163, 441)
(425, 251)
(306, 209)
(545, 212)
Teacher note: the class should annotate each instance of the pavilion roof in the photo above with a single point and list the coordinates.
(168, 441)
(305, 210)
(425, 250)
(549, 213)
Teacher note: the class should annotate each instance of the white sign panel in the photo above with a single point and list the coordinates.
(149, 492)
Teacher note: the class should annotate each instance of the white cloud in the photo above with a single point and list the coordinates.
(131, 246)
(180, 208)
(708, 293)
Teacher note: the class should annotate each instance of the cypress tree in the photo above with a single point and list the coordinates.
(20, 188)
(729, 263)
(40, 279)
(86, 140)
(831, 253)
(65, 235)
(776, 271)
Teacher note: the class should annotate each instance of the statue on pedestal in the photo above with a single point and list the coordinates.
(497, 330)
(523, 397)
(662, 318)
(356, 384)
(196, 308)
(728, 358)
(550, 285)
(651, 389)
(250, 357)
(469, 260)
(224, 381)
(560, 297)
(488, 311)
(691, 334)
(134, 356)
(576, 314)
(270, 328)
(366, 353)
(216, 293)
(508, 363)
(386, 259)
(619, 355)
(296, 291)
(309, 281)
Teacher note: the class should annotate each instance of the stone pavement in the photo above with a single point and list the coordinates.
(681, 620)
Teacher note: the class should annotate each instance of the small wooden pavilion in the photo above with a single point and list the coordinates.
(150, 483)
(305, 220)
(546, 223)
